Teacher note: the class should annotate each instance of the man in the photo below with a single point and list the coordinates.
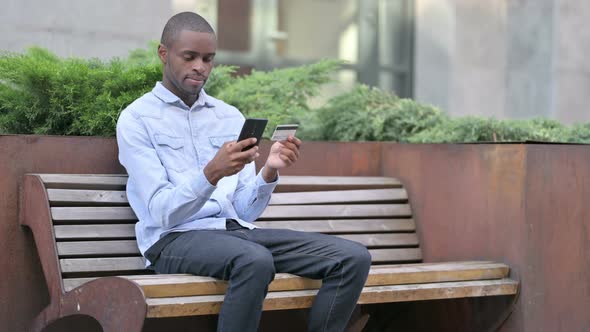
(196, 193)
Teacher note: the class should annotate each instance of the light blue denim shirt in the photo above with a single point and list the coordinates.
(164, 146)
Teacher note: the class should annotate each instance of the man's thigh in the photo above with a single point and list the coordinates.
(308, 254)
(207, 253)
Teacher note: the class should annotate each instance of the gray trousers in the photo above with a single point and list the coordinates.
(249, 259)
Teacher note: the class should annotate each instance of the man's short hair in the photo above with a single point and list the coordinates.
(184, 21)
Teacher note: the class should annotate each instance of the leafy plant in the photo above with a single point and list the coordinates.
(371, 114)
(42, 93)
(280, 95)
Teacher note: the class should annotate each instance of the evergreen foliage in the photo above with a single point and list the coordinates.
(41, 93)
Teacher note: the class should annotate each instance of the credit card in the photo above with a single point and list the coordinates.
(282, 132)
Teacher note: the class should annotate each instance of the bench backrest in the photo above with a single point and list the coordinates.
(93, 225)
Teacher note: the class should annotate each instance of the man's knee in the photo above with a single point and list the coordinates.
(258, 263)
(359, 256)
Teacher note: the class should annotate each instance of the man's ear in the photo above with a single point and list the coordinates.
(163, 53)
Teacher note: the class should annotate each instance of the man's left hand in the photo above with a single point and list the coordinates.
(282, 154)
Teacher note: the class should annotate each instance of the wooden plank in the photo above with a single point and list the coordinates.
(290, 183)
(127, 231)
(85, 181)
(88, 197)
(319, 183)
(169, 285)
(114, 231)
(396, 255)
(96, 248)
(211, 304)
(336, 211)
(383, 239)
(86, 265)
(339, 196)
(131, 263)
(187, 285)
(343, 225)
(271, 212)
(129, 247)
(92, 197)
(92, 213)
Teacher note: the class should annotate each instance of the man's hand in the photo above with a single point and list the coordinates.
(282, 154)
(230, 159)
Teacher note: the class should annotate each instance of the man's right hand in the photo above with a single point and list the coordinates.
(230, 159)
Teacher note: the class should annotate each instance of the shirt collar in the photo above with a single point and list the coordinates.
(168, 97)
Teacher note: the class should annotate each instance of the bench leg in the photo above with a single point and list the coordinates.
(44, 318)
(116, 303)
(358, 320)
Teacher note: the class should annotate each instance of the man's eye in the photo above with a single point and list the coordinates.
(188, 57)
(208, 59)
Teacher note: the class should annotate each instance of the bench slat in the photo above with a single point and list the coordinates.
(70, 232)
(342, 196)
(88, 197)
(113, 264)
(319, 183)
(127, 231)
(170, 285)
(103, 197)
(73, 282)
(343, 225)
(85, 181)
(116, 213)
(289, 183)
(211, 304)
(396, 255)
(97, 248)
(336, 211)
(81, 265)
(129, 247)
(271, 212)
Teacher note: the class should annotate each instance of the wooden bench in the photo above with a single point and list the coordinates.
(84, 233)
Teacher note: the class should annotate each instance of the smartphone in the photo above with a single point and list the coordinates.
(282, 132)
(253, 128)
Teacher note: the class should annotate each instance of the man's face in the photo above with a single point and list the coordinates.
(187, 63)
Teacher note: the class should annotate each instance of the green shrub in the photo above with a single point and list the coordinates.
(477, 129)
(371, 114)
(280, 95)
(41, 93)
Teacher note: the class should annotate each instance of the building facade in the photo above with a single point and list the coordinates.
(493, 58)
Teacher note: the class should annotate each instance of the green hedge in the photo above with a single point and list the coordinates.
(41, 93)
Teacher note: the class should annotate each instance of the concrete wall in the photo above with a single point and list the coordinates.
(101, 29)
(506, 59)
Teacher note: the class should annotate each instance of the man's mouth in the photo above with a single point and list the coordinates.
(195, 80)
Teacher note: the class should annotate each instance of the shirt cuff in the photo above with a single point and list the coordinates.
(265, 188)
(200, 186)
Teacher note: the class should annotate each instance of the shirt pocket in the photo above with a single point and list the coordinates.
(217, 141)
(172, 152)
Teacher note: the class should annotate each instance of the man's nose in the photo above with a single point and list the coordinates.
(198, 65)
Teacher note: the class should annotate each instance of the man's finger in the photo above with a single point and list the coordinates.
(248, 155)
(291, 147)
(294, 140)
(239, 146)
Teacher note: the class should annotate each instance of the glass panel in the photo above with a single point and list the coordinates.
(233, 25)
(316, 29)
